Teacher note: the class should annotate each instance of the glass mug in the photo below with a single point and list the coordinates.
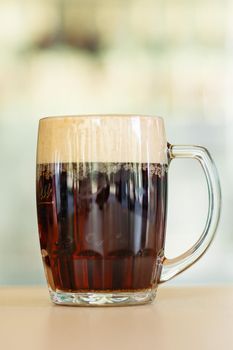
(102, 203)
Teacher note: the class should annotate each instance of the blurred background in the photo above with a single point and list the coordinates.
(172, 58)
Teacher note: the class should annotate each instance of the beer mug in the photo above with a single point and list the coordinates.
(102, 204)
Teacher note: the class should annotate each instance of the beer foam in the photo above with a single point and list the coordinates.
(104, 138)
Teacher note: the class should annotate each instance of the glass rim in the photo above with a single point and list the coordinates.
(101, 116)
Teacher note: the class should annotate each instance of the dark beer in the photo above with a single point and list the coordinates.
(101, 225)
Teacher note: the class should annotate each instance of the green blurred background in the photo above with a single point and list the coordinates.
(172, 58)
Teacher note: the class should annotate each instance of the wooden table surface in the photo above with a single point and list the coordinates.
(180, 318)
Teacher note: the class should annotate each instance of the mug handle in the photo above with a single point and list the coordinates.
(172, 267)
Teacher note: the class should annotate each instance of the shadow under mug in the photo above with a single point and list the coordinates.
(102, 203)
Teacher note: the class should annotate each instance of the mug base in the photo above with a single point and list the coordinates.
(144, 296)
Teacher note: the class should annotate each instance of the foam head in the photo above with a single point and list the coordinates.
(93, 138)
